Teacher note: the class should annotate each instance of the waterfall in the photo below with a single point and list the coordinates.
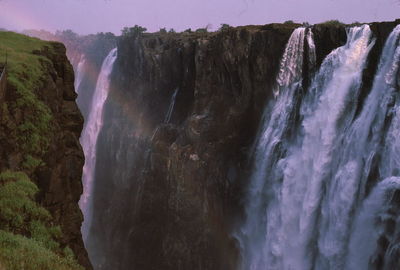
(382, 108)
(309, 166)
(296, 217)
(379, 208)
(354, 161)
(388, 81)
(79, 73)
(89, 138)
(171, 106)
(256, 236)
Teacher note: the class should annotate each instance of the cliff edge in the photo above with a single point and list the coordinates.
(41, 159)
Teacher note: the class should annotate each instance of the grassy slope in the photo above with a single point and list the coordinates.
(28, 239)
(25, 70)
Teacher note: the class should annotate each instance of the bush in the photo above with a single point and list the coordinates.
(289, 22)
(28, 240)
(133, 31)
(333, 22)
(18, 252)
(201, 30)
(224, 27)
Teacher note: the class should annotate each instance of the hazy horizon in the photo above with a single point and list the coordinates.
(92, 16)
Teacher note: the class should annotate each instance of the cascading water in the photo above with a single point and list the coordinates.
(382, 108)
(357, 152)
(303, 190)
(256, 237)
(89, 138)
(379, 208)
(309, 165)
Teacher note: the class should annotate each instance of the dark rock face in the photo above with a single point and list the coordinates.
(59, 178)
(167, 195)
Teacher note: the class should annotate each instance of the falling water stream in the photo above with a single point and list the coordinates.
(171, 107)
(306, 189)
(79, 73)
(89, 138)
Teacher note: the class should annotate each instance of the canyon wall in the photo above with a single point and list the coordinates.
(169, 185)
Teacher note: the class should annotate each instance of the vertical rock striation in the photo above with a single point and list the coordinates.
(168, 194)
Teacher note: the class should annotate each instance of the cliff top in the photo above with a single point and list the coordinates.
(30, 236)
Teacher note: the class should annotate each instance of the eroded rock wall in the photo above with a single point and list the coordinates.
(168, 195)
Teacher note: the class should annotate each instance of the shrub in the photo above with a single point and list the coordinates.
(224, 27)
(333, 22)
(201, 30)
(289, 22)
(133, 31)
(26, 231)
(18, 252)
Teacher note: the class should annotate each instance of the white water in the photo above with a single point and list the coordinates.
(303, 190)
(79, 73)
(257, 237)
(389, 79)
(359, 148)
(383, 101)
(367, 230)
(171, 106)
(89, 138)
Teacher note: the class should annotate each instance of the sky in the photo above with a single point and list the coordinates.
(92, 16)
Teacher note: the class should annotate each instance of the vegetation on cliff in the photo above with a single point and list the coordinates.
(25, 70)
(30, 238)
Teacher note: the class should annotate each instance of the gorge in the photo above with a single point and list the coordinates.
(249, 148)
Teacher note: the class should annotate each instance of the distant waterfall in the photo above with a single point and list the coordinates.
(89, 138)
(306, 182)
(171, 107)
(79, 73)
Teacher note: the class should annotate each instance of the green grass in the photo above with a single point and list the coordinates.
(18, 252)
(25, 72)
(28, 239)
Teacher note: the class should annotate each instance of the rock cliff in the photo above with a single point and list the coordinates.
(40, 126)
(168, 190)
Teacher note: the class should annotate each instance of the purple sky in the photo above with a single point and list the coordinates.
(91, 16)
